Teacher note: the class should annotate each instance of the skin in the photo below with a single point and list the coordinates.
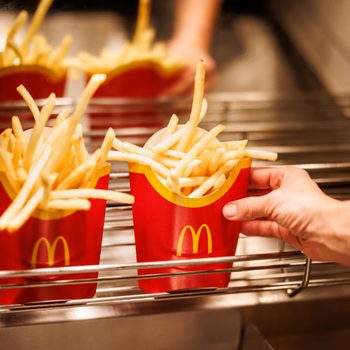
(192, 38)
(286, 203)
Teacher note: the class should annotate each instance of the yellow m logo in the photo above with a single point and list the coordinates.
(51, 250)
(195, 238)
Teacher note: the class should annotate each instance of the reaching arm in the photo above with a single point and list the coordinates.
(285, 203)
(191, 41)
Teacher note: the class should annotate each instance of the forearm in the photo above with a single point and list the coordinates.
(195, 21)
(337, 218)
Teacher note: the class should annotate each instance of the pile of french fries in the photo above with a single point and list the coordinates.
(49, 168)
(34, 48)
(141, 49)
(187, 159)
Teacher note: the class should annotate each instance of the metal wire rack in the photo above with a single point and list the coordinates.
(308, 131)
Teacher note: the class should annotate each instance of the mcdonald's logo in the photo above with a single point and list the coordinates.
(51, 251)
(196, 235)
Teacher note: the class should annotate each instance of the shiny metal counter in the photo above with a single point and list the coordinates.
(307, 130)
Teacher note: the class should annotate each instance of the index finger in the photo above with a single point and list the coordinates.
(266, 178)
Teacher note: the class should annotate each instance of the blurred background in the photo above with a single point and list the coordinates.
(271, 45)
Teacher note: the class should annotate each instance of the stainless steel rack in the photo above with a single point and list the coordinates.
(307, 131)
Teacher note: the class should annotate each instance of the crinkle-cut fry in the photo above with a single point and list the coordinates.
(18, 131)
(76, 177)
(93, 193)
(136, 158)
(9, 169)
(69, 204)
(29, 101)
(37, 19)
(25, 191)
(215, 160)
(26, 211)
(263, 155)
(172, 140)
(142, 23)
(210, 182)
(171, 127)
(194, 120)
(191, 181)
(37, 130)
(195, 150)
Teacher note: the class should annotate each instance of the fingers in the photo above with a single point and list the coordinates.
(267, 228)
(266, 178)
(262, 228)
(248, 208)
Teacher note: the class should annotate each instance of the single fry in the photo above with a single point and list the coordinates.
(92, 193)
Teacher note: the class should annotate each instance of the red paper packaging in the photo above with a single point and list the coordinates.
(52, 239)
(40, 81)
(169, 226)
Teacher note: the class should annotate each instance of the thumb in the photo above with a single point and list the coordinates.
(250, 208)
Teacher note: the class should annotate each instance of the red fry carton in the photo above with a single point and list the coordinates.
(52, 239)
(40, 81)
(139, 80)
(169, 226)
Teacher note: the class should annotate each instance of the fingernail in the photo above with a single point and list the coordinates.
(230, 211)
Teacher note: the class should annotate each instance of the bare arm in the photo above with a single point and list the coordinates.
(195, 21)
(191, 41)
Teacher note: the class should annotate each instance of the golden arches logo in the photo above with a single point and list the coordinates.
(196, 235)
(51, 250)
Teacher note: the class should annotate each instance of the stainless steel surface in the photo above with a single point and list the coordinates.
(262, 273)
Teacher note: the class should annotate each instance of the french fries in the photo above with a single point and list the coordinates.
(50, 169)
(34, 48)
(187, 159)
(141, 48)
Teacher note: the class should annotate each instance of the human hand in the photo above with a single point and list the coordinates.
(190, 55)
(285, 203)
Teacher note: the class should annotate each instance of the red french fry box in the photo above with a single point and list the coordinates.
(140, 79)
(39, 81)
(169, 226)
(52, 239)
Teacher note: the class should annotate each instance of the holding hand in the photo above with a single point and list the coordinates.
(285, 203)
